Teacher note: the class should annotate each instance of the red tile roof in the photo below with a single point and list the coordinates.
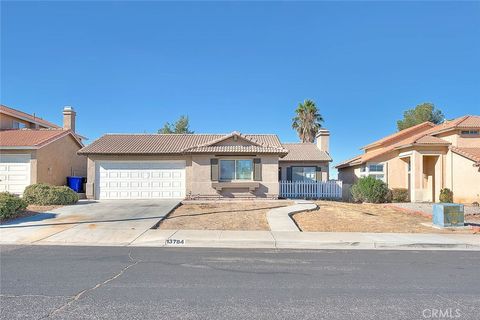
(182, 144)
(421, 134)
(422, 127)
(470, 153)
(304, 152)
(27, 117)
(31, 138)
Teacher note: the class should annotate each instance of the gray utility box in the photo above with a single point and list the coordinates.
(448, 215)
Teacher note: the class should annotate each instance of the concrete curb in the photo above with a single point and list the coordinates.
(280, 219)
(303, 240)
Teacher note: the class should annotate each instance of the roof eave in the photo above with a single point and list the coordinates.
(19, 147)
(422, 145)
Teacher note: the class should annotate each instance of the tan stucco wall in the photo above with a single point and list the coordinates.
(458, 140)
(397, 171)
(6, 122)
(462, 178)
(58, 160)
(198, 175)
(285, 164)
(201, 185)
(349, 175)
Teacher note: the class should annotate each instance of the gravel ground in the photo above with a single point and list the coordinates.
(428, 207)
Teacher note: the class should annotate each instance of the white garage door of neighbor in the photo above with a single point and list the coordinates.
(14, 172)
(140, 180)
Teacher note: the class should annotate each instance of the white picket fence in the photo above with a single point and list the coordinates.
(311, 189)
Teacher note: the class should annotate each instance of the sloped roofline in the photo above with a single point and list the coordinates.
(26, 116)
(426, 124)
(61, 133)
(226, 137)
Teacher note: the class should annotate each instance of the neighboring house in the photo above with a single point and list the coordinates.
(424, 159)
(33, 150)
(146, 166)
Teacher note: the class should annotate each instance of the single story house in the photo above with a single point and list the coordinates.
(149, 166)
(33, 150)
(424, 159)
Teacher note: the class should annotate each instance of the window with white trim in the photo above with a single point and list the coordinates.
(304, 173)
(375, 170)
(470, 132)
(241, 169)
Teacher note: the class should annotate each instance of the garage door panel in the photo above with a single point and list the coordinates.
(141, 180)
(14, 173)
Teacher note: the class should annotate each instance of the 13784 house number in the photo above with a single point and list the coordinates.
(175, 242)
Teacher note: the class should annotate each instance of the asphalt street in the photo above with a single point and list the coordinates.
(60, 282)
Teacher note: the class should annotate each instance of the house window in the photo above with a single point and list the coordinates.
(236, 170)
(18, 125)
(375, 167)
(373, 170)
(303, 173)
(470, 132)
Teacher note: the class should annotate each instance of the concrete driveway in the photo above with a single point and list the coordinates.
(88, 223)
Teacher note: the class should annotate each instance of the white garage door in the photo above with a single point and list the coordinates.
(14, 172)
(140, 180)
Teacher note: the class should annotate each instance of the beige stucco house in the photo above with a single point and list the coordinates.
(145, 166)
(33, 150)
(424, 159)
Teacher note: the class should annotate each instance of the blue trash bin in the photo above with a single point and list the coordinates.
(75, 183)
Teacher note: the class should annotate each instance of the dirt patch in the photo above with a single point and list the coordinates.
(31, 211)
(349, 217)
(244, 215)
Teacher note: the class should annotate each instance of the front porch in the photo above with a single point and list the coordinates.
(424, 175)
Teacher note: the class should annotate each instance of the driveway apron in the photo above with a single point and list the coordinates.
(116, 222)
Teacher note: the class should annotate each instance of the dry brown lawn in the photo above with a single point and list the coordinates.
(350, 217)
(223, 215)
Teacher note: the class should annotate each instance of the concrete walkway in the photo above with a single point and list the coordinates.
(280, 219)
(306, 240)
(88, 223)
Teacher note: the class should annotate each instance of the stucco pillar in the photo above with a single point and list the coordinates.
(416, 176)
(90, 185)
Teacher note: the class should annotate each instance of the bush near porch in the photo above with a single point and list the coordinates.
(369, 189)
(400, 195)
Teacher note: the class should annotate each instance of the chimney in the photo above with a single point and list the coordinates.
(69, 118)
(323, 140)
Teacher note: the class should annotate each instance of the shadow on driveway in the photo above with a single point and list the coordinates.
(9, 226)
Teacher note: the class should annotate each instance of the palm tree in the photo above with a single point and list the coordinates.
(308, 121)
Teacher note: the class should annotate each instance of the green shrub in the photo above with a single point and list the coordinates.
(446, 195)
(10, 205)
(400, 195)
(369, 189)
(45, 194)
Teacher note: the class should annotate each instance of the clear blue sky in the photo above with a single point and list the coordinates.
(129, 67)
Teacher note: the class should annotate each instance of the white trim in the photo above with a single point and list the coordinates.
(374, 174)
(405, 154)
(18, 148)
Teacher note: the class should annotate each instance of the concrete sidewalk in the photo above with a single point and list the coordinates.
(306, 240)
(280, 219)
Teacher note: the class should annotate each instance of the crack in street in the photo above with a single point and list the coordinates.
(98, 285)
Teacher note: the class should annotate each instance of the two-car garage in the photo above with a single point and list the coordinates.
(140, 179)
